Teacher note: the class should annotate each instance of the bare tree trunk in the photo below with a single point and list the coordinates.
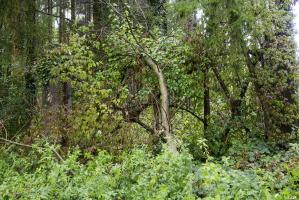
(164, 105)
(62, 23)
(73, 11)
(50, 25)
(207, 107)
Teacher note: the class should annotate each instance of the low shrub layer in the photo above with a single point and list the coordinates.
(140, 175)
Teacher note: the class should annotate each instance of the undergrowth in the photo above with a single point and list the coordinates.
(140, 175)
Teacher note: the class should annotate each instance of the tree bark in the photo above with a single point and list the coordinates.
(207, 107)
(157, 117)
(50, 25)
(46, 89)
(31, 54)
(164, 105)
(73, 11)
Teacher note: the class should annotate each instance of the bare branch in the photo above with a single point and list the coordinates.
(222, 83)
(143, 125)
(52, 15)
(189, 111)
(29, 146)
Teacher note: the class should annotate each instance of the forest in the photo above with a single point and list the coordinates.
(149, 100)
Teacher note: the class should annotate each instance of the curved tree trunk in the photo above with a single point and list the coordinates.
(164, 105)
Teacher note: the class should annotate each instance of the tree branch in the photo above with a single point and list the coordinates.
(143, 125)
(52, 15)
(29, 146)
(189, 111)
(222, 84)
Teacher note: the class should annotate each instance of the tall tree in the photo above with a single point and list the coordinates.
(31, 49)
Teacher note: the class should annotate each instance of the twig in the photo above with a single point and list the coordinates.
(17, 143)
(143, 125)
(2, 126)
(190, 112)
(29, 146)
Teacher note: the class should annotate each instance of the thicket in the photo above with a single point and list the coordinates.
(148, 100)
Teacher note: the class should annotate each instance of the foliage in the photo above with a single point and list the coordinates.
(111, 85)
(140, 175)
(95, 94)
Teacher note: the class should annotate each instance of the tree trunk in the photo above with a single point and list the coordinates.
(47, 87)
(31, 54)
(157, 117)
(207, 107)
(164, 105)
(62, 23)
(73, 11)
(50, 24)
(268, 129)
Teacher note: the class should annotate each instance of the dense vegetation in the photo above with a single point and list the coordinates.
(186, 99)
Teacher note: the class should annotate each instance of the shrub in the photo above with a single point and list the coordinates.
(140, 175)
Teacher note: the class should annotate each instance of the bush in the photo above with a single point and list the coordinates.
(140, 175)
